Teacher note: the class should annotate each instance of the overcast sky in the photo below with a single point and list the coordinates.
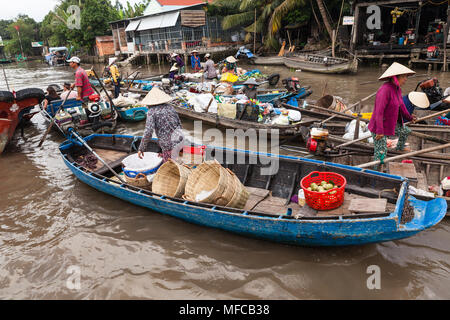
(37, 9)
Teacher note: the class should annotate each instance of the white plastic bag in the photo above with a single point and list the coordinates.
(295, 115)
(201, 102)
(122, 101)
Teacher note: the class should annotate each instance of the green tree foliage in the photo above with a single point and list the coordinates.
(273, 15)
(28, 31)
(269, 15)
(4, 33)
(95, 18)
(131, 11)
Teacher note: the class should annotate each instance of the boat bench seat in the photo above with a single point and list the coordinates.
(261, 200)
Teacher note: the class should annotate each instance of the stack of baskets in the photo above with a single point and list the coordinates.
(171, 178)
(211, 183)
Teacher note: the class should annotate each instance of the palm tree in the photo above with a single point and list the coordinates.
(324, 15)
(269, 16)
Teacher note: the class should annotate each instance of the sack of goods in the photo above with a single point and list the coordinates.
(211, 183)
(140, 172)
(122, 101)
(227, 110)
(171, 178)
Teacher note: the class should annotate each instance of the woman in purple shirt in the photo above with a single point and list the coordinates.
(389, 111)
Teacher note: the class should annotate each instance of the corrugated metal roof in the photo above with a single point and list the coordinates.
(134, 24)
(159, 21)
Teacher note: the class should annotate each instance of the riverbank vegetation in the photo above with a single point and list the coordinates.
(270, 19)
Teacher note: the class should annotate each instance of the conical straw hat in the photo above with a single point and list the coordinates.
(419, 99)
(174, 68)
(231, 59)
(396, 69)
(251, 81)
(155, 97)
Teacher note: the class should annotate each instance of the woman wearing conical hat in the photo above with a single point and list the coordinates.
(163, 119)
(230, 65)
(389, 110)
(250, 88)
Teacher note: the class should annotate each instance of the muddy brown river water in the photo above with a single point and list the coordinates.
(52, 224)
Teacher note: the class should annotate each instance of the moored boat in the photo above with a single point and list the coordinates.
(269, 61)
(99, 116)
(321, 64)
(273, 216)
(13, 109)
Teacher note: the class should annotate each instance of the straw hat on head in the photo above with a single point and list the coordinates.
(194, 51)
(174, 68)
(251, 81)
(231, 59)
(396, 69)
(156, 97)
(419, 99)
(207, 55)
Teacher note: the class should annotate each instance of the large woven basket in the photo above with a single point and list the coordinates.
(139, 181)
(170, 180)
(210, 176)
(241, 194)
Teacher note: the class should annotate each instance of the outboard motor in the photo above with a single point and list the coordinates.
(432, 89)
(94, 113)
(292, 84)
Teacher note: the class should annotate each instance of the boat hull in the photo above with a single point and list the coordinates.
(346, 67)
(337, 231)
(269, 61)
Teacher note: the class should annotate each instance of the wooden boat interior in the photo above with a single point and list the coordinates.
(270, 195)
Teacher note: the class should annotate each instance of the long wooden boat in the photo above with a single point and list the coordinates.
(269, 61)
(271, 217)
(321, 64)
(13, 108)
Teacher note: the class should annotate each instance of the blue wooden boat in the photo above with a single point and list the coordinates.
(404, 218)
(132, 114)
(103, 120)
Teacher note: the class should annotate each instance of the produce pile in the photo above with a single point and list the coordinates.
(324, 186)
(256, 74)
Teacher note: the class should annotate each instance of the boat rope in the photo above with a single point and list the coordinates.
(407, 213)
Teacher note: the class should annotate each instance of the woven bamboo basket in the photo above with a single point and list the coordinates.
(210, 177)
(241, 194)
(170, 180)
(139, 181)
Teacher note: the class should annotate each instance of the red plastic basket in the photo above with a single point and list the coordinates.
(324, 200)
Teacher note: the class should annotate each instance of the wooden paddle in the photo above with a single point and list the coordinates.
(406, 155)
(6, 79)
(53, 119)
(131, 82)
(429, 116)
(103, 87)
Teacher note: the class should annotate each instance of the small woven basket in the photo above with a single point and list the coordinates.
(210, 176)
(241, 194)
(139, 181)
(170, 180)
